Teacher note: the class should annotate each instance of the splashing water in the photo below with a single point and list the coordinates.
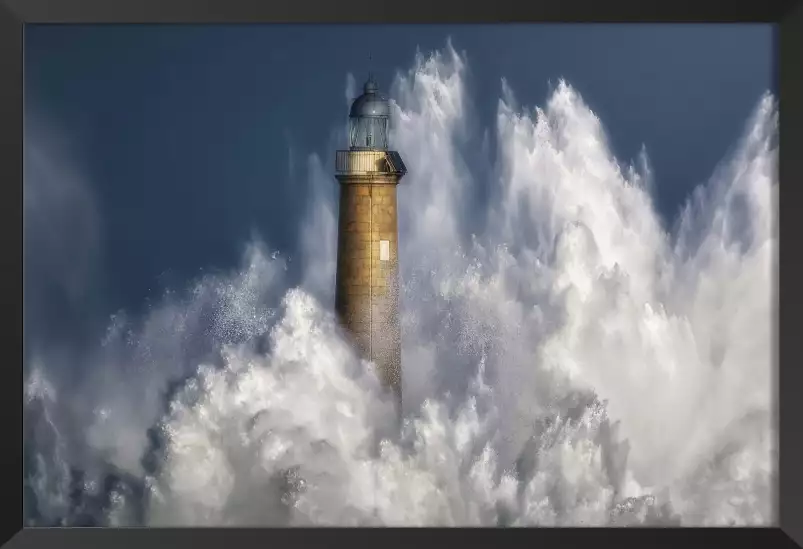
(572, 364)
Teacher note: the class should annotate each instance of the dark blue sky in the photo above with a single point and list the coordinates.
(183, 131)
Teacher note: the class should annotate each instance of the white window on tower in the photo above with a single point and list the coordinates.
(384, 250)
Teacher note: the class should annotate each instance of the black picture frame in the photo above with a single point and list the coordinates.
(788, 16)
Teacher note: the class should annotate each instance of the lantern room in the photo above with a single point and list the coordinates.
(369, 119)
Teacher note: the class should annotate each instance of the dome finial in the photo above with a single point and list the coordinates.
(370, 84)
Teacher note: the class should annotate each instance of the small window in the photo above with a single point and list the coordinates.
(384, 250)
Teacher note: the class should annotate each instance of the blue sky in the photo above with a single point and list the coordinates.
(190, 137)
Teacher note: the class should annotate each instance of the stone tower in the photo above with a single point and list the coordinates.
(367, 285)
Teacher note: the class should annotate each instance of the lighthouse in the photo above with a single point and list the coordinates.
(367, 280)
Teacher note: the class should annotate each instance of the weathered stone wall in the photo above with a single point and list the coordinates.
(366, 296)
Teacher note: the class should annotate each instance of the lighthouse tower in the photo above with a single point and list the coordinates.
(366, 293)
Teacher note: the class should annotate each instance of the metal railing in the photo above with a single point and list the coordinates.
(369, 161)
(362, 162)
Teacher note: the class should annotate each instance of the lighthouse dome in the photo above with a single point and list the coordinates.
(371, 103)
